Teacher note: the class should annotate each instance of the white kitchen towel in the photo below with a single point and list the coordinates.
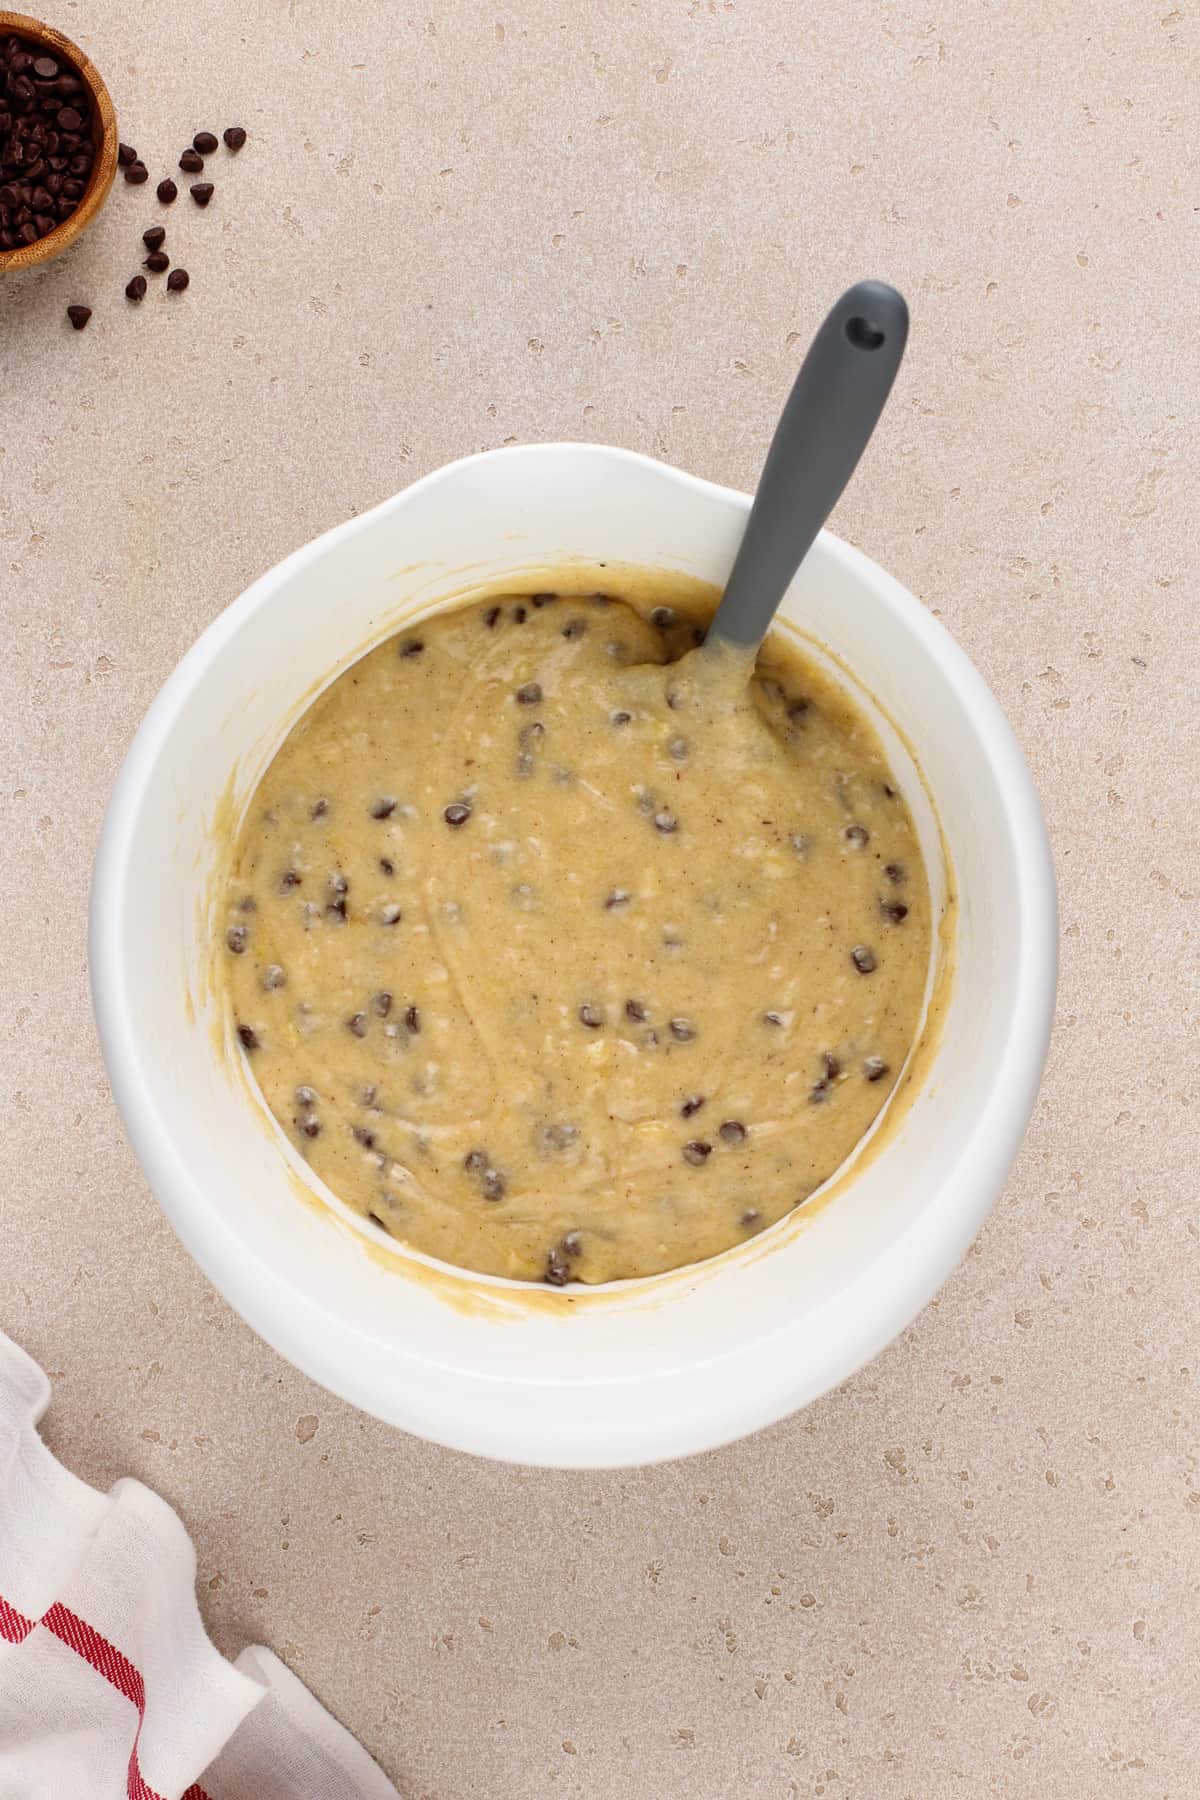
(109, 1687)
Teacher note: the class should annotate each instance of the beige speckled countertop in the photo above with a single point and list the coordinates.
(973, 1570)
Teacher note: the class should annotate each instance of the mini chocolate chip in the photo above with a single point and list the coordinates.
(191, 162)
(797, 709)
(273, 977)
(319, 809)
(531, 733)
(895, 910)
(475, 1162)
(247, 1037)
(357, 1024)
(530, 694)
(697, 1152)
(683, 1030)
(391, 913)
(572, 1244)
(382, 1002)
(235, 939)
(79, 316)
(177, 280)
(833, 1067)
(691, 1105)
(384, 807)
(819, 1092)
(874, 1068)
(895, 873)
(135, 174)
(387, 866)
(491, 616)
(136, 289)
(574, 628)
(636, 1011)
(558, 1270)
(677, 749)
(306, 1096)
(519, 615)
(494, 1185)
(540, 600)
(289, 880)
(338, 883)
(310, 1125)
(733, 1132)
(412, 647)
(201, 192)
(154, 237)
(363, 1136)
(619, 718)
(750, 1218)
(590, 1015)
(674, 698)
(772, 1018)
(666, 822)
(457, 814)
(863, 959)
(166, 191)
(856, 836)
(156, 262)
(662, 616)
(888, 789)
(235, 136)
(412, 1019)
(615, 898)
(205, 142)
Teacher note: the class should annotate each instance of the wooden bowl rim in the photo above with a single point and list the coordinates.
(34, 31)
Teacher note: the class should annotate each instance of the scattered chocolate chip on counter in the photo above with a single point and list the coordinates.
(126, 155)
(191, 162)
(156, 262)
(205, 142)
(155, 237)
(136, 289)
(235, 136)
(136, 174)
(79, 316)
(201, 192)
(167, 192)
(177, 280)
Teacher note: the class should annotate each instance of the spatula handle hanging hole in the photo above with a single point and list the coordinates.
(862, 334)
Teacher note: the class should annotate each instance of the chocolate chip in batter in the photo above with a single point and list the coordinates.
(560, 1258)
(524, 765)
(893, 910)
(457, 814)
(636, 1011)
(391, 913)
(494, 1185)
(531, 734)
(306, 1096)
(856, 836)
(616, 897)
(677, 749)
(590, 1015)
(733, 1132)
(387, 866)
(665, 821)
(247, 1037)
(320, 809)
(874, 1068)
(574, 628)
(384, 807)
(412, 1019)
(273, 977)
(519, 615)
(691, 1105)
(529, 694)
(412, 647)
(833, 1067)
(491, 616)
(663, 616)
(363, 1136)
(559, 1136)
(619, 718)
(819, 1091)
(540, 600)
(382, 1002)
(751, 1219)
(475, 1162)
(289, 880)
(235, 939)
(863, 959)
(895, 873)
(797, 708)
(309, 1124)
(697, 1152)
(356, 1024)
(683, 1030)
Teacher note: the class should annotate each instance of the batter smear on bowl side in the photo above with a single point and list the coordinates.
(563, 955)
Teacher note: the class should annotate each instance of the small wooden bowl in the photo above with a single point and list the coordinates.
(104, 138)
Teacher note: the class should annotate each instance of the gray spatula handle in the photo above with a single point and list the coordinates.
(831, 412)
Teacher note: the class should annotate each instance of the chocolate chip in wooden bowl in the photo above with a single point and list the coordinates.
(201, 192)
(156, 262)
(136, 289)
(79, 316)
(205, 142)
(127, 155)
(863, 959)
(191, 162)
(234, 136)
(874, 1068)
(167, 192)
(137, 174)
(177, 280)
(154, 237)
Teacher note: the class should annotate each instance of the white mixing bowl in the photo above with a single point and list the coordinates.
(640, 1371)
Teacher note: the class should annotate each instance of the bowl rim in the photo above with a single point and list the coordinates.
(104, 169)
(873, 1308)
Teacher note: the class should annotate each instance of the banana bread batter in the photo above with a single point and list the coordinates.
(564, 954)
